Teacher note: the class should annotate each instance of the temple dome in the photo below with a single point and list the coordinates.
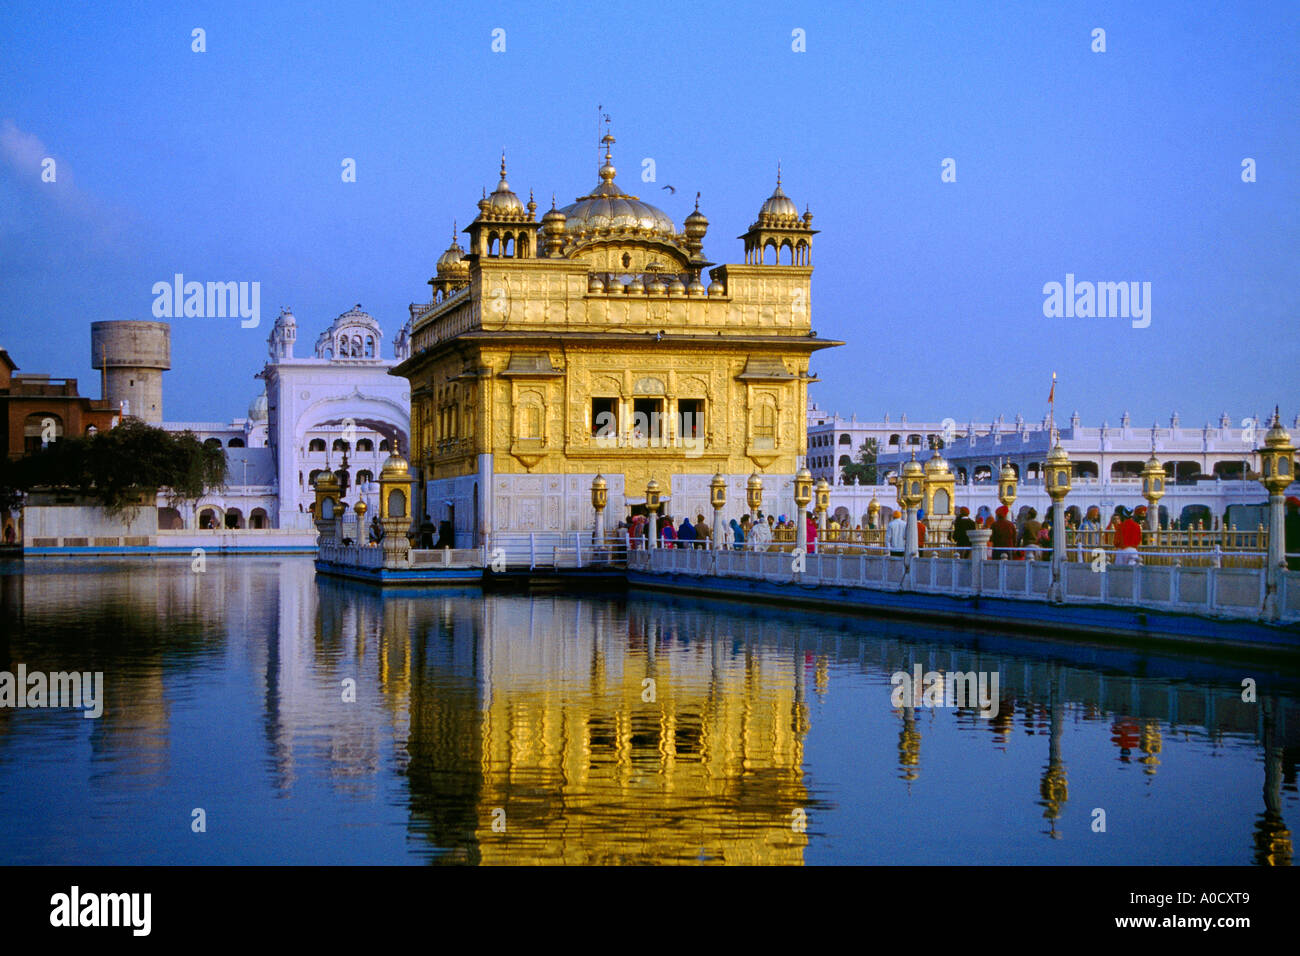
(608, 207)
(503, 201)
(453, 260)
(257, 409)
(778, 207)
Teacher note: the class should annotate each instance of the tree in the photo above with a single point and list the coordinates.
(121, 468)
(864, 469)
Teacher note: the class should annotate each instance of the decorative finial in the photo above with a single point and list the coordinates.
(503, 164)
(697, 202)
(454, 231)
(778, 174)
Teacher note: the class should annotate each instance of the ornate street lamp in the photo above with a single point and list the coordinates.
(754, 494)
(1057, 476)
(1007, 480)
(802, 495)
(652, 506)
(823, 492)
(599, 499)
(717, 498)
(394, 508)
(912, 482)
(1277, 472)
(1153, 489)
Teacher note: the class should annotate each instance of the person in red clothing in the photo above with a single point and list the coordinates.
(812, 534)
(1128, 537)
(1004, 534)
(920, 531)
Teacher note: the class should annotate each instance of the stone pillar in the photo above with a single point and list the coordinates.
(913, 549)
(1276, 559)
(979, 544)
(717, 527)
(1058, 550)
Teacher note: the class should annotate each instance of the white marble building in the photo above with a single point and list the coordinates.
(339, 401)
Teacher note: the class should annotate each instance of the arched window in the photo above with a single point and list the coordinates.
(385, 445)
(846, 440)
(530, 420)
(212, 443)
(493, 239)
(370, 346)
(845, 460)
(893, 439)
(258, 519)
(316, 444)
(235, 443)
(365, 476)
(340, 445)
(311, 478)
(365, 444)
(508, 247)
(343, 346)
(786, 254)
(356, 346)
(914, 439)
(765, 425)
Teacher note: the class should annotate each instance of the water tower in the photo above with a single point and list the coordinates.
(132, 357)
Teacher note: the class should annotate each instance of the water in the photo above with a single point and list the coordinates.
(514, 729)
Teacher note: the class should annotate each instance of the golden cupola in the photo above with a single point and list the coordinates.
(504, 227)
(452, 268)
(780, 228)
(607, 210)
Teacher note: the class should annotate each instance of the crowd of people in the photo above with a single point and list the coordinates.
(1027, 537)
(755, 533)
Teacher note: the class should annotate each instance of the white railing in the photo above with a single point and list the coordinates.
(555, 550)
(1220, 592)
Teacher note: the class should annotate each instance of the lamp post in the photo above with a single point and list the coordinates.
(652, 506)
(802, 495)
(1057, 475)
(599, 499)
(327, 498)
(1153, 489)
(912, 482)
(360, 512)
(940, 492)
(1007, 480)
(823, 494)
(1277, 471)
(717, 498)
(394, 509)
(754, 494)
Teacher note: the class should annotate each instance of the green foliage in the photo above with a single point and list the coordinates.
(864, 469)
(120, 468)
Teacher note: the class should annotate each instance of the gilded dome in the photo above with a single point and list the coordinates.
(503, 201)
(778, 207)
(608, 207)
(453, 260)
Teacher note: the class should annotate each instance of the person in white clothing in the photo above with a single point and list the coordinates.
(896, 534)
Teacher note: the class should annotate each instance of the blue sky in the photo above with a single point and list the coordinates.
(1115, 166)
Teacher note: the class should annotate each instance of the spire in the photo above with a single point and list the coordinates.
(778, 174)
(503, 164)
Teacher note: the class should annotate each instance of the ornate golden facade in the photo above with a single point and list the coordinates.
(587, 342)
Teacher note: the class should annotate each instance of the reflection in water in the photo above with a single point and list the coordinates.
(452, 726)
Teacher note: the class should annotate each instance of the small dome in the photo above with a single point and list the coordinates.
(656, 287)
(286, 319)
(635, 287)
(595, 284)
(779, 207)
(257, 409)
(394, 467)
(716, 288)
(453, 260)
(697, 224)
(696, 287)
(677, 287)
(503, 201)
